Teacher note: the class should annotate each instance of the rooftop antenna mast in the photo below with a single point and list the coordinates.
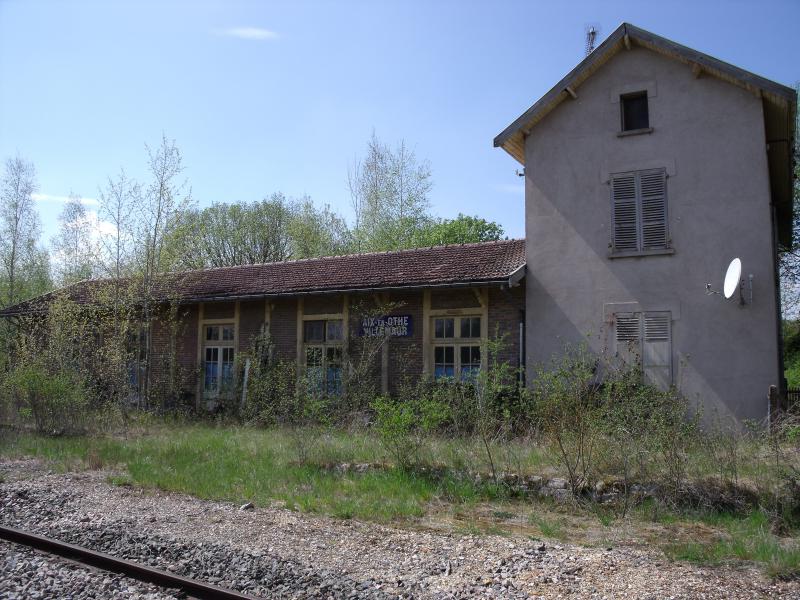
(591, 37)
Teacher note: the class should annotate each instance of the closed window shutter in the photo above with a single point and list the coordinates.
(657, 349)
(628, 336)
(639, 202)
(653, 195)
(623, 193)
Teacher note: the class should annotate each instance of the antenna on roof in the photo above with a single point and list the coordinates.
(591, 36)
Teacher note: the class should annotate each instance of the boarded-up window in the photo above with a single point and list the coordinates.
(646, 339)
(639, 211)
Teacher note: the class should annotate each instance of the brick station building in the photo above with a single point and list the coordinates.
(446, 301)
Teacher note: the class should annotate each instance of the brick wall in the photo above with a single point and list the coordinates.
(184, 368)
(405, 354)
(219, 310)
(251, 319)
(325, 304)
(283, 327)
(504, 319)
(458, 298)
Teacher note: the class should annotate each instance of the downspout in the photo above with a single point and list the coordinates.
(521, 376)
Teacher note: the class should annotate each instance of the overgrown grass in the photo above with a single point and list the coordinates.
(747, 538)
(243, 464)
(237, 464)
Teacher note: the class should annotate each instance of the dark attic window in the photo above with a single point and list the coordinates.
(634, 111)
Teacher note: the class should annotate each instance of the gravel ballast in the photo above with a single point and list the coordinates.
(25, 573)
(276, 553)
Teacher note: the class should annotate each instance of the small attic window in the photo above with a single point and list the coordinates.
(634, 111)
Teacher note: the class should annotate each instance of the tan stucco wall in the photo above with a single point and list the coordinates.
(710, 137)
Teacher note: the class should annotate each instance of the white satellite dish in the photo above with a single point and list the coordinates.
(733, 278)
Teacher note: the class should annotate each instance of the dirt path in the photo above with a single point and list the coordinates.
(343, 559)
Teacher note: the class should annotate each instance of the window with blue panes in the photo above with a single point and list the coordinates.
(456, 347)
(323, 354)
(218, 360)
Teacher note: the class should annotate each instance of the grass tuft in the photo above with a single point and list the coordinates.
(748, 539)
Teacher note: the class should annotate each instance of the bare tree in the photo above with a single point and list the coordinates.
(73, 247)
(389, 195)
(117, 204)
(163, 202)
(19, 223)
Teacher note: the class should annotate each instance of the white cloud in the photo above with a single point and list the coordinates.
(102, 228)
(249, 33)
(62, 199)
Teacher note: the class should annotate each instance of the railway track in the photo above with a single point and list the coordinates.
(191, 587)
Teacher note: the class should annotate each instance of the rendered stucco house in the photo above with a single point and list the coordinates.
(647, 169)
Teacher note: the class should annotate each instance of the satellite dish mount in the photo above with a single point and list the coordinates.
(734, 282)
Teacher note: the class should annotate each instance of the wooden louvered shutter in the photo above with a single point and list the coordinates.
(627, 336)
(657, 349)
(623, 199)
(653, 203)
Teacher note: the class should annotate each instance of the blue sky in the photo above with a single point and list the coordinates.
(282, 96)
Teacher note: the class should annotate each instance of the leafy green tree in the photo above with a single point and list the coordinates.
(241, 233)
(244, 233)
(317, 231)
(463, 229)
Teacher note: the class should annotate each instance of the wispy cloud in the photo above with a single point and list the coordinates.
(62, 199)
(511, 188)
(249, 33)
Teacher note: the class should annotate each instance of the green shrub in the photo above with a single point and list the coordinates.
(55, 402)
(566, 393)
(403, 424)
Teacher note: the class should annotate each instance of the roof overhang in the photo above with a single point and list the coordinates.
(513, 280)
(779, 103)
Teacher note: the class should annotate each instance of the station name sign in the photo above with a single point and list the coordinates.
(391, 326)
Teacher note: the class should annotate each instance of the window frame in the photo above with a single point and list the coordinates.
(456, 342)
(225, 370)
(327, 382)
(633, 96)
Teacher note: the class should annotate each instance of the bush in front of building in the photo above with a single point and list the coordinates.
(55, 402)
(604, 421)
(404, 424)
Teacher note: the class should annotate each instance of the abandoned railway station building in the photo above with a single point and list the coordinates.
(648, 168)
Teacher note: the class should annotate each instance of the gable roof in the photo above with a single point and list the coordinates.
(487, 263)
(779, 101)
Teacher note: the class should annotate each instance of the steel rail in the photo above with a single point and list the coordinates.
(106, 562)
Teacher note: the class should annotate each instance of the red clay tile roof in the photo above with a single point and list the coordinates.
(488, 262)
